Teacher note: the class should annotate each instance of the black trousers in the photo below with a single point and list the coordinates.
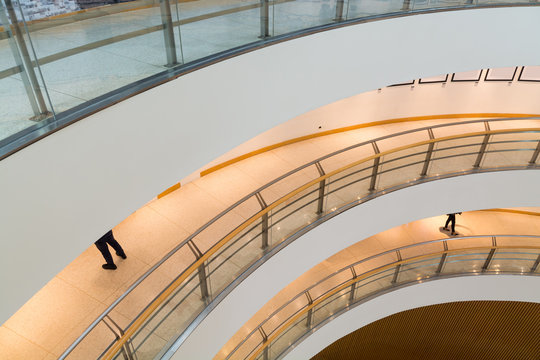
(451, 218)
(101, 244)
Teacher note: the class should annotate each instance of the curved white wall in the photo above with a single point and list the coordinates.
(60, 194)
(502, 287)
(472, 192)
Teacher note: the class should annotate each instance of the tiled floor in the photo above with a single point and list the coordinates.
(45, 326)
(468, 224)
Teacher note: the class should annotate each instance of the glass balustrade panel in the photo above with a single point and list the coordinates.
(455, 155)
(83, 56)
(428, 4)
(465, 261)
(24, 101)
(510, 149)
(296, 15)
(418, 270)
(347, 186)
(362, 8)
(400, 167)
(515, 260)
(294, 214)
(172, 317)
(242, 250)
(208, 27)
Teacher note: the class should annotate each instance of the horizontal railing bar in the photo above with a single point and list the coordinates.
(360, 277)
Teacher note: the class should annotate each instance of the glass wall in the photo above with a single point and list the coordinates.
(57, 55)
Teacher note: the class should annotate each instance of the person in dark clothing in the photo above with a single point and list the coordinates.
(451, 218)
(101, 244)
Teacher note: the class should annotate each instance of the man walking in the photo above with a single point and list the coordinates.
(452, 219)
(101, 244)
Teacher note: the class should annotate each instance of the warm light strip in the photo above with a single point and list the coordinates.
(512, 211)
(160, 299)
(366, 275)
(359, 126)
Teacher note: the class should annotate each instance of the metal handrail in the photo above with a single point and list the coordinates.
(192, 268)
(293, 318)
(369, 258)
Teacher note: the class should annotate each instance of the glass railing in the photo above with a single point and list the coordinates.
(295, 319)
(214, 259)
(56, 69)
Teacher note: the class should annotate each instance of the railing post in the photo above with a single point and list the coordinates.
(127, 353)
(406, 5)
(428, 154)
(168, 33)
(22, 58)
(203, 282)
(482, 147)
(396, 273)
(309, 320)
(443, 258)
(375, 167)
(339, 10)
(535, 265)
(264, 20)
(322, 184)
(353, 285)
(265, 339)
(490, 255)
(264, 221)
(535, 154)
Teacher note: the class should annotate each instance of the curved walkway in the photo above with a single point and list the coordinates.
(468, 224)
(49, 322)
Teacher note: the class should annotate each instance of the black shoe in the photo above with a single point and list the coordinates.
(109, 266)
(123, 255)
(445, 228)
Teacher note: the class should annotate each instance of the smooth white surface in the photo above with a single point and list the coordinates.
(399, 102)
(502, 287)
(471, 192)
(62, 193)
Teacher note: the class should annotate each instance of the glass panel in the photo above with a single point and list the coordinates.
(363, 8)
(427, 4)
(466, 261)
(285, 314)
(418, 270)
(23, 97)
(289, 336)
(290, 16)
(374, 283)
(331, 306)
(234, 257)
(347, 186)
(293, 214)
(513, 260)
(97, 51)
(401, 166)
(510, 149)
(208, 27)
(168, 322)
(455, 155)
(330, 283)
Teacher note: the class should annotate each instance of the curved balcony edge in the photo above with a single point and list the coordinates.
(32, 134)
